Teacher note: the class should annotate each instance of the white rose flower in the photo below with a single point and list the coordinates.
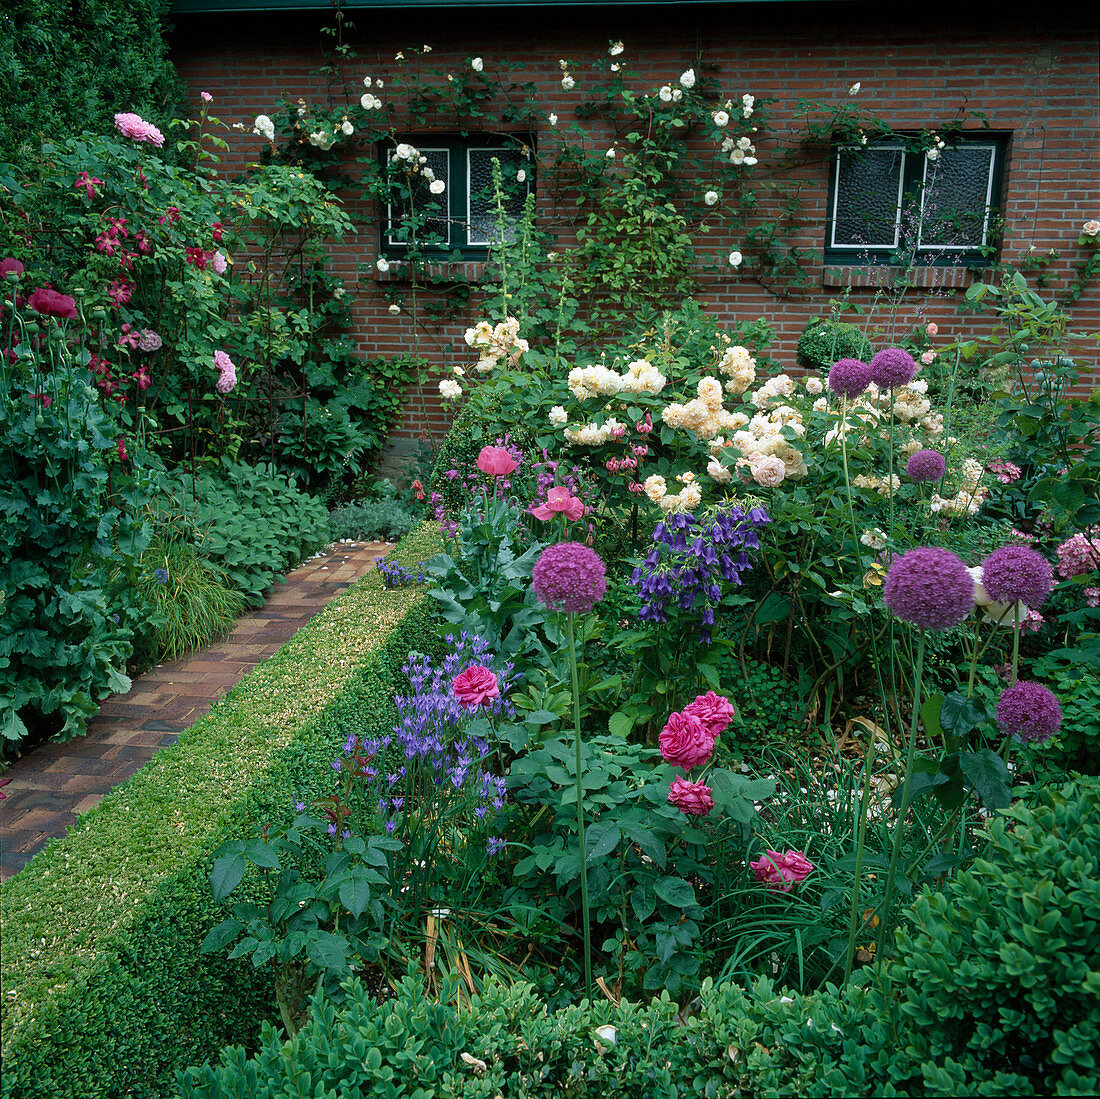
(427, 173)
(737, 156)
(437, 186)
(347, 128)
(665, 94)
(553, 119)
(426, 49)
(382, 264)
(748, 100)
(710, 198)
(874, 538)
(610, 154)
(721, 118)
(395, 309)
(367, 82)
(449, 389)
(558, 415)
(338, 292)
(750, 160)
(615, 67)
(264, 127)
(521, 176)
(1091, 228)
(854, 89)
(477, 64)
(687, 78)
(677, 95)
(768, 472)
(814, 386)
(735, 259)
(616, 49)
(568, 83)
(369, 102)
(378, 84)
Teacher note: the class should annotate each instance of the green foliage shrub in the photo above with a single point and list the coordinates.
(251, 521)
(823, 342)
(69, 67)
(371, 520)
(993, 993)
(121, 996)
(768, 704)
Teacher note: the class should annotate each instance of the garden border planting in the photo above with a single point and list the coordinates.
(105, 991)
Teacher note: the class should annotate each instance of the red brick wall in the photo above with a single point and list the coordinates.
(1034, 79)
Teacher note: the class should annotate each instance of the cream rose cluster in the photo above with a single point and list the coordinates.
(496, 344)
(588, 382)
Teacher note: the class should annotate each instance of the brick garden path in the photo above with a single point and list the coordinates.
(54, 783)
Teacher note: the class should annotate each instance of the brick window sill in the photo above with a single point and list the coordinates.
(471, 271)
(878, 277)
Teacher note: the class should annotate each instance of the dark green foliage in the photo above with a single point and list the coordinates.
(250, 521)
(148, 1002)
(822, 343)
(993, 994)
(66, 67)
(371, 520)
(768, 704)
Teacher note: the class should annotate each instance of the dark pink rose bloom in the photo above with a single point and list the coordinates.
(714, 711)
(475, 686)
(692, 798)
(558, 500)
(782, 871)
(51, 303)
(685, 741)
(495, 461)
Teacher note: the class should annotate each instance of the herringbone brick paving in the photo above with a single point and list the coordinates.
(54, 783)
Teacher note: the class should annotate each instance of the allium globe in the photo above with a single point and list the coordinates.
(849, 377)
(926, 465)
(929, 587)
(892, 367)
(569, 576)
(1029, 711)
(1017, 574)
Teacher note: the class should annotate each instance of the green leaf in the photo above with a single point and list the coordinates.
(675, 891)
(643, 902)
(226, 874)
(601, 839)
(221, 935)
(959, 714)
(355, 891)
(930, 715)
(620, 723)
(988, 774)
(327, 950)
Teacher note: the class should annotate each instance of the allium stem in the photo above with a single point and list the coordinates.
(580, 806)
(1015, 643)
(903, 809)
(861, 835)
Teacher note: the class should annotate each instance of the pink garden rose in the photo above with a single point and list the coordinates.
(475, 686)
(685, 741)
(714, 711)
(692, 798)
(495, 461)
(782, 871)
(227, 372)
(559, 499)
(136, 128)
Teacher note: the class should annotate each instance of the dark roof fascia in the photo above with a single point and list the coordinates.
(211, 7)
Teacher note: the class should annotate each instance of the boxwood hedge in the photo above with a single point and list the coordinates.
(105, 992)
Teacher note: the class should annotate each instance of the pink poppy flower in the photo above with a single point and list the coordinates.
(558, 500)
(496, 461)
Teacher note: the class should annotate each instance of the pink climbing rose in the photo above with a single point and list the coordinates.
(714, 711)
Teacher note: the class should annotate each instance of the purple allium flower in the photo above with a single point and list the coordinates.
(892, 367)
(569, 576)
(849, 377)
(929, 587)
(1017, 574)
(1029, 711)
(926, 465)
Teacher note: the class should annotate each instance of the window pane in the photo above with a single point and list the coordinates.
(426, 216)
(482, 211)
(868, 196)
(955, 200)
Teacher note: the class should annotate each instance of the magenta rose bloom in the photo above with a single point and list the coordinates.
(692, 798)
(893, 367)
(558, 500)
(50, 303)
(929, 587)
(926, 465)
(495, 461)
(849, 377)
(782, 871)
(475, 686)
(1016, 574)
(569, 576)
(714, 711)
(685, 741)
(1029, 712)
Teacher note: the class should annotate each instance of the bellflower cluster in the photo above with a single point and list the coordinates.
(690, 559)
(395, 575)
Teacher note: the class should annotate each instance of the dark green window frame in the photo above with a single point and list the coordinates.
(903, 179)
(465, 222)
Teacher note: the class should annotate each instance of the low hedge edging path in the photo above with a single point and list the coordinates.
(54, 783)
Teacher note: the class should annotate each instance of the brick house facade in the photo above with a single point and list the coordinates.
(1033, 78)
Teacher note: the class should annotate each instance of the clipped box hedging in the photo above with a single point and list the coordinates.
(104, 990)
(994, 991)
